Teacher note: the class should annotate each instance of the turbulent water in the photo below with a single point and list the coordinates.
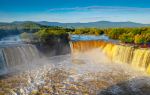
(80, 74)
(137, 57)
(90, 69)
(14, 56)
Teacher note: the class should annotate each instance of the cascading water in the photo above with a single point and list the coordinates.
(90, 72)
(13, 56)
(141, 59)
(137, 57)
(2, 62)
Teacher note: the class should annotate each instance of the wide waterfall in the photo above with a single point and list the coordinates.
(137, 57)
(13, 56)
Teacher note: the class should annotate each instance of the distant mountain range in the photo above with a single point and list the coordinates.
(98, 24)
(20, 25)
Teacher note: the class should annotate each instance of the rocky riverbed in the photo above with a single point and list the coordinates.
(63, 75)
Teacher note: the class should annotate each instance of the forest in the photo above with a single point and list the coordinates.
(130, 35)
(16, 28)
(125, 35)
(37, 32)
(48, 35)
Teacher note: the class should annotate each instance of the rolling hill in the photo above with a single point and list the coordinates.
(98, 24)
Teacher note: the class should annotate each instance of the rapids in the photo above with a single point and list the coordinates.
(90, 73)
(80, 74)
(90, 69)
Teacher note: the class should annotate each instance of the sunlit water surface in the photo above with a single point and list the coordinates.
(88, 73)
(77, 74)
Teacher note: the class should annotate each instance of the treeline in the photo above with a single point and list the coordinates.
(48, 35)
(45, 34)
(88, 31)
(52, 35)
(125, 35)
(8, 32)
(7, 29)
(130, 35)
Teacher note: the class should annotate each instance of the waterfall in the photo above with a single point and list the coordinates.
(137, 57)
(2, 62)
(119, 53)
(141, 58)
(13, 56)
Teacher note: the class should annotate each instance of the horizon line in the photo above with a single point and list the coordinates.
(70, 22)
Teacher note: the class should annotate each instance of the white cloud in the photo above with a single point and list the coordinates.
(100, 8)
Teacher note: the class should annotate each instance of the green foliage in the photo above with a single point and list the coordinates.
(28, 37)
(126, 38)
(116, 32)
(16, 28)
(139, 39)
(7, 29)
(29, 25)
(88, 31)
(48, 35)
(135, 31)
(130, 35)
(25, 35)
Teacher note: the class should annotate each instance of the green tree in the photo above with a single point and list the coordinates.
(139, 39)
(27, 37)
(126, 38)
(48, 35)
(116, 32)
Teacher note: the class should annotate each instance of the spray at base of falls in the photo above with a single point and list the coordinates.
(12, 57)
(57, 74)
(137, 57)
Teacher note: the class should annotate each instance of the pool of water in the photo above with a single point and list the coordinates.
(88, 37)
(11, 41)
(91, 37)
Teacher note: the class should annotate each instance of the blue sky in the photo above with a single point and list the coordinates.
(75, 10)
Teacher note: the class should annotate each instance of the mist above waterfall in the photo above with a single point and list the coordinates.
(15, 56)
(136, 57)
(90, 68)
(60, 74)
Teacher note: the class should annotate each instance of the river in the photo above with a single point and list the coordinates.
(84, 73)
